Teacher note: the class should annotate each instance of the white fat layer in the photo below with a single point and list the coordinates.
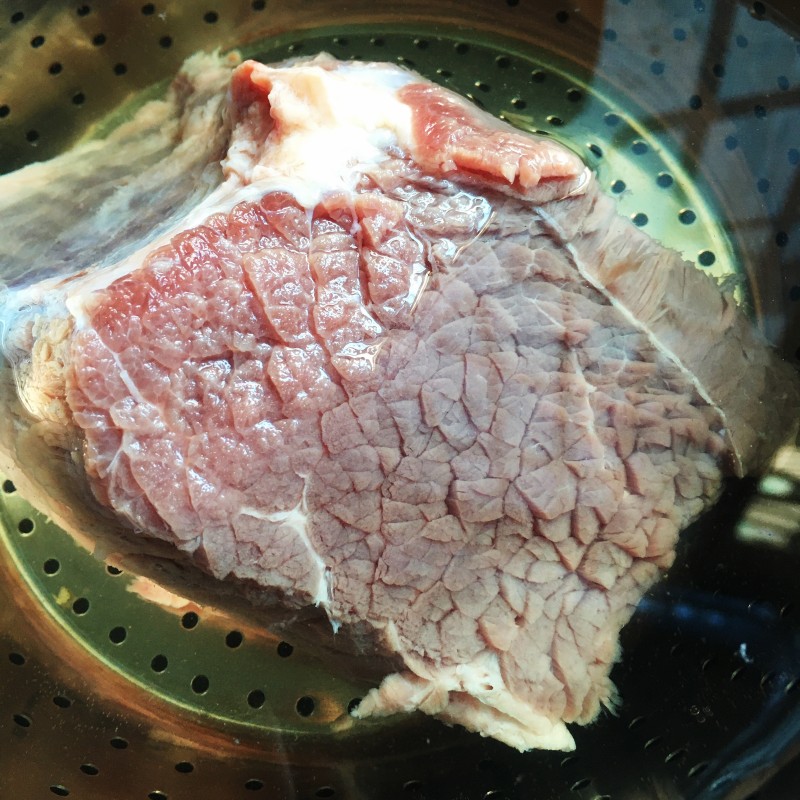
(330, 125)
(499, 713)
(297, 520)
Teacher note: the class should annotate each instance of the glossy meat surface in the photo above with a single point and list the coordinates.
(425, 378)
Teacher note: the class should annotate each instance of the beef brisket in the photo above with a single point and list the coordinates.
(407, 363)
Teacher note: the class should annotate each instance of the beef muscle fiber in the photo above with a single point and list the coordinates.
(394, 358)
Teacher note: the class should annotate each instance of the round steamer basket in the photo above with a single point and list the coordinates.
(114, 688)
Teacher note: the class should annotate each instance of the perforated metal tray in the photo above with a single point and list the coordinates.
(114, 688)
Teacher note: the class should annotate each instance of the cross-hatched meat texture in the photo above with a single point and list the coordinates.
(400, 360)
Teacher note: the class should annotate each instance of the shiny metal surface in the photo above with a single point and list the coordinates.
(110, 691)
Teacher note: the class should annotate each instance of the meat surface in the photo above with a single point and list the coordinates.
(405, 362)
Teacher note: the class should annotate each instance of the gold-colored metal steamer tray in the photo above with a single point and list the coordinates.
(112, 688)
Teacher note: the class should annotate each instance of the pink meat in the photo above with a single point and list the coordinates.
(489, 473)
(455, 139)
